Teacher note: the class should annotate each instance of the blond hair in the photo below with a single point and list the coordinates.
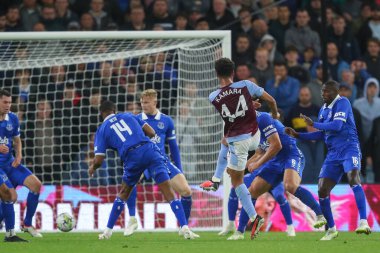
(149, 93)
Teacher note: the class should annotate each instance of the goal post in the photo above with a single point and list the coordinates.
(57, 80)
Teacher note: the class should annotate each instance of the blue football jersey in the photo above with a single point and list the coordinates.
(9, 128)
(269, 126)
(339, 109)
(163, 125)
(119, 132)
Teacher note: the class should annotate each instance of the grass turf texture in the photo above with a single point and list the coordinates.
(209, 242)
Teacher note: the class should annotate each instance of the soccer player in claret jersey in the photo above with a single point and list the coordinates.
(233, 101)
(16, 172)
(128, 134)
(165, 133)
(336, 126)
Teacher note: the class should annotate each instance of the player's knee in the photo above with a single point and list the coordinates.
(186, 192)
(323, 192)
(291, 187)
(36, 186)
(353, 178)
(13, 195)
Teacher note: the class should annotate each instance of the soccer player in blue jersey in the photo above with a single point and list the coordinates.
(233, 102)
(16, 172)
(129, 135)
(336, 126)
(165, 133)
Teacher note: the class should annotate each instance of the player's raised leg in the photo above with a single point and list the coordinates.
(354, 181)
(132, 223)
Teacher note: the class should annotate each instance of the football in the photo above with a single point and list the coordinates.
(65, 222)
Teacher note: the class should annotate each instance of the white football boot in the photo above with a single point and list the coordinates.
(290, 231)
(321, 221)
(228, 229)
(363, 228)
(106, 234)
(236, 236)
(131, 227)
(188, 234)
(330, 234)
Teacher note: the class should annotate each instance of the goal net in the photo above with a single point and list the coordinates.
(58, 80)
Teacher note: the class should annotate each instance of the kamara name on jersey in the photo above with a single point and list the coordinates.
(4, 140)
(226, 93)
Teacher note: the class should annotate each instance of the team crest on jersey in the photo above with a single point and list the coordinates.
(160, 125)
(9, 127)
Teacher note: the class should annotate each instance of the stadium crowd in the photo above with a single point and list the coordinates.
(279, 48)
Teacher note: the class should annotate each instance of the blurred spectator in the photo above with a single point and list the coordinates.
(41, 145)
(344, 39)
(369, 105)
(101, 17)
(39, 27)
(359, 68)
(202, 24)
(351, 9)
(235, 6)
(269, 43)
(133, 107)
(181, 22)
(283, 88)
(309, 60)
(372, 57)
(313, 151)
(278, 27)
(294, 68)
(242, 72)
(200, 6)
(3, 22)
(348, 80)
(244, 26)
(90, 114)
(194, 15)
(64, 14)
(73, 26)
(136, 20)
(87, 22)
(260, 28)
(365, 14)
(314, 10)
(13, 19)
(49, 19)
(271, 14)
(374, 148)
(160, 15)
(301, 36)
(54, 89)
(370, 29)
(219, 15)
(335, 64)
(30, 14)
(262, 70)
(241, 53)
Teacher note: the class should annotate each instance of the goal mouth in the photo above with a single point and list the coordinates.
(57, 81)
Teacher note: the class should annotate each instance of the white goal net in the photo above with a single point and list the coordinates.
(58, 80)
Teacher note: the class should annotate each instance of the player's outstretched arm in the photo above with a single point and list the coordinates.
(271, 103)
(335, 125)
(148, 130)
(97, 162)
(311, 136)
(274, 147)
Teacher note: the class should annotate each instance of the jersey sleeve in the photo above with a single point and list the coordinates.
(254, 89)
(100, 143)
(170, 132)
(266, 125)
(343, 108)
(16, 127)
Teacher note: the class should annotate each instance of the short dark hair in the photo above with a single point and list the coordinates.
(107, 106)
(332, 84)
(224, 67)
(280, 63)
(291, 48)
(4, 93)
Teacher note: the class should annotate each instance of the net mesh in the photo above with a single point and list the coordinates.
(57, 86)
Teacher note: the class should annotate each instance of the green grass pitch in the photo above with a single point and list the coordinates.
(161, 242)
